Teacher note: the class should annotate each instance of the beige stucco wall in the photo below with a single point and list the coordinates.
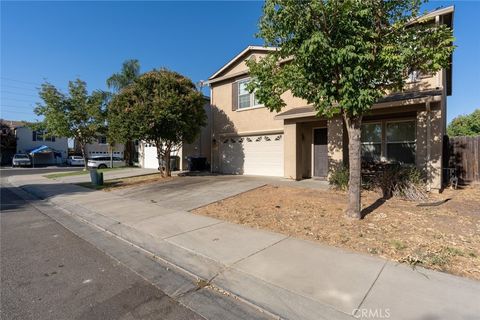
(248, 120)
(426, 82)
(292, 151)
(244, 120)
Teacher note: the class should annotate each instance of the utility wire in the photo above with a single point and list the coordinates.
(22, 100)
(16, 87)
(19, 93)
(22, 81)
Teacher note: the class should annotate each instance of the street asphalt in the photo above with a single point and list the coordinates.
(8, 171)
(47, 272)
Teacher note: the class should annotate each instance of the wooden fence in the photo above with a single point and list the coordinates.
(464, 156)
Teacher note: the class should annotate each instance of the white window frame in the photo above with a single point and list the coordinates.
(102, 143)
(402, 141)
(251, 96)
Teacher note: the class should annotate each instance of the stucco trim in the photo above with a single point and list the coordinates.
(244, 51)
(228, 77)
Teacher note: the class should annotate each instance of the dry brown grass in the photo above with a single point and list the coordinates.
(128, 182)
(446, 237)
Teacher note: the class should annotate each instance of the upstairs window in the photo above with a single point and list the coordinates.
(245, 98)
(40, 135)
(102, 140)
(414, 76)
(37, 135)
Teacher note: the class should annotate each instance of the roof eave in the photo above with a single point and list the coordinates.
(244, 51)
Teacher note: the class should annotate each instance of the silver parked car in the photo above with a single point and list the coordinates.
(21, 160)
(75, 161)
(102, 162)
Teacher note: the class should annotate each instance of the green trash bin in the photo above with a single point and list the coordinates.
(96, 177)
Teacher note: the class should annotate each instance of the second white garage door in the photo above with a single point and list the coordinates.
(150, 160)
(253, 155)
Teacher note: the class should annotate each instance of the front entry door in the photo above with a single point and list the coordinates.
(320, 153)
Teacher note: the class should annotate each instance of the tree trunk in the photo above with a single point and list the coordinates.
(111, 155)
(159, 147)
(168, 172)
(353, 125)
(128, 152)
(84, 155)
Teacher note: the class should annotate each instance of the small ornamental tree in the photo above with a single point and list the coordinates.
(160, 107)
(465, 125)
(77, 115)
(342, 56)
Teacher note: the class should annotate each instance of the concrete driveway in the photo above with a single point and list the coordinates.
(188, 193)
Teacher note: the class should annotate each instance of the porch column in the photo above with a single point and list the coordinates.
(429, 148)
(292, 151)
(335, 144)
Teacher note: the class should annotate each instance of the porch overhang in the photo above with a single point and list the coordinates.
(393, 100)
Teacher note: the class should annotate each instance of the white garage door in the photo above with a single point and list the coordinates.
(150, 160)
(252, 155)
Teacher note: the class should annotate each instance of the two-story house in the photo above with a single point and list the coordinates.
(405, 127)
(29, 140)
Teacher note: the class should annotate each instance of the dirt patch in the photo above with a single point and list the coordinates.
(445, 237)
(128, 182)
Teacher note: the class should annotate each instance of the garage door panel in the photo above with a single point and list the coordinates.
(253, 155)
(150, 157)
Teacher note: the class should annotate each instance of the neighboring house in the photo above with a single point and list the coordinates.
(28, 140)
(406, 127)
(100, 147)
(200, 148)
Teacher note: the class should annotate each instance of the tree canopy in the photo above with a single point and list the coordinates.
(161, 107)
(77, 115)
(129, 72)
(465, 125)
(342, 56)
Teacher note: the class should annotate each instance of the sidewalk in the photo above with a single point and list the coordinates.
(291, 278)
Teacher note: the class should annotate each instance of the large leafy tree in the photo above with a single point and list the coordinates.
(160, 107)
(77, 115)
(465, 125)
(342, 56)
(117, 81)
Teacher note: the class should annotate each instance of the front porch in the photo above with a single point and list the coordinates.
(410, 135)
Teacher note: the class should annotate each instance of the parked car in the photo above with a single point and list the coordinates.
(21, 160)
(102, 162)
(75, 161)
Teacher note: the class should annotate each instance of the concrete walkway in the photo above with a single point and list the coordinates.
(291, 278)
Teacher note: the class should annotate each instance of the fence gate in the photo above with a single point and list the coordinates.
(464, 156)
